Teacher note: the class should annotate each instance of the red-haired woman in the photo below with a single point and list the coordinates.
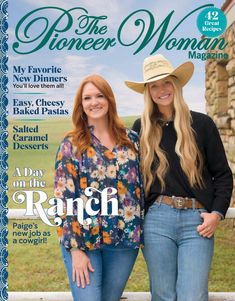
(99, 153)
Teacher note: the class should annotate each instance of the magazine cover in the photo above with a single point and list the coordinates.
(47, 49)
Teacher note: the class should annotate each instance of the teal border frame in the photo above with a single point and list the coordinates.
(3, 149)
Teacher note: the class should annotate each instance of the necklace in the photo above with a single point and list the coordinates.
(165, 122)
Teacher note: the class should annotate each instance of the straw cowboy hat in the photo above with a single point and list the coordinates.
(157, 67)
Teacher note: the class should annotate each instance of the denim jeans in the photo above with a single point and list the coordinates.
(112, 269)
(178, 258)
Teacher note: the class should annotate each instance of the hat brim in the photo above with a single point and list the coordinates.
(183, 72)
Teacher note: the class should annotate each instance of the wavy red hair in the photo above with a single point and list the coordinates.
(81, 134)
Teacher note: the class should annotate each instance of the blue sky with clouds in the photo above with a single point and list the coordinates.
(115, 64)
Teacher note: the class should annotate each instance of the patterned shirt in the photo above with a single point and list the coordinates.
(100, 168)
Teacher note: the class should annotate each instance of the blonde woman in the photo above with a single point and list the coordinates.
(187, 180)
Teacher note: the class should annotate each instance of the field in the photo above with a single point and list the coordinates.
(39, 267)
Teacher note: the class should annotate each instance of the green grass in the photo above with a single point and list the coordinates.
(129, 121)
(223, 269)
(43, 159)
(40, 268)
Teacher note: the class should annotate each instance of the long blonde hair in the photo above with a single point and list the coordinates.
(186, 148)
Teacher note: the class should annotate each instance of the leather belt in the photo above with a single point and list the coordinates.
(179, 202)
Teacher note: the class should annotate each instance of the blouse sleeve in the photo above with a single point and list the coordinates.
(218, 167)
(65, 187)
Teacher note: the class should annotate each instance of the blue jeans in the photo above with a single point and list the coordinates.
(178, 258)
(112, 269)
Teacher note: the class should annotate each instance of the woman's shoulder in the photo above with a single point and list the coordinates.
(67, 146)
(133, 136)
(201, 119)
(199, 116)
(68, 139)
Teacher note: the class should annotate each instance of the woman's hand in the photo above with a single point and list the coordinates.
(81, 266)
(209, 225)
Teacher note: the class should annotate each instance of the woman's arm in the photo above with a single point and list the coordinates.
(218, 167)
(70, 234)
(217, 164)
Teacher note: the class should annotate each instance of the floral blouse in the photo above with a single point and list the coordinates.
(100, 168)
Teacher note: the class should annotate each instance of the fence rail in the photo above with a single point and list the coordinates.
(128, 296)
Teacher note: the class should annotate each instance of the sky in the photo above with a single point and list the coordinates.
(115, 64)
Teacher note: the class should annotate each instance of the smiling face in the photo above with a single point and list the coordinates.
(94, 103)
(162, 93)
